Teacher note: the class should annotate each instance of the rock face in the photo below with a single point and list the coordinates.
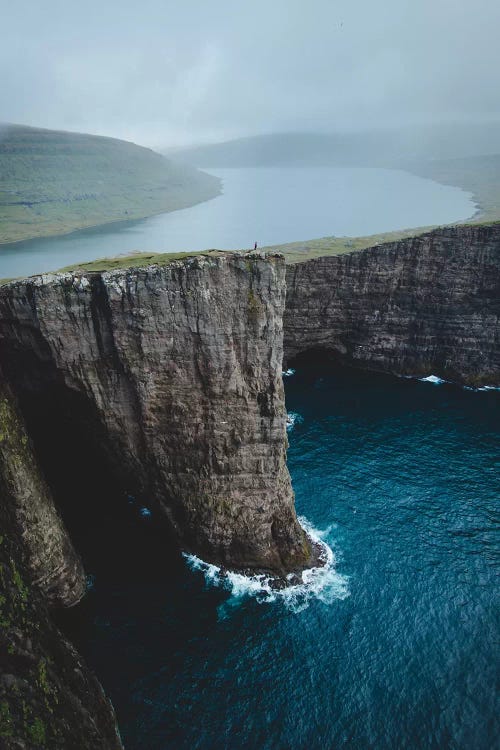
(48, 698)
(166, 382)
(173, 375)
(27, 510)
(429, 304)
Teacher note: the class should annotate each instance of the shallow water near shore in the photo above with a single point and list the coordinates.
(401, 479)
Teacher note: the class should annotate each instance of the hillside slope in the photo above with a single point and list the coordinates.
(389, 147)
(54, 182)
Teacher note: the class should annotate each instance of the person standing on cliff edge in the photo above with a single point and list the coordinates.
(255, 246)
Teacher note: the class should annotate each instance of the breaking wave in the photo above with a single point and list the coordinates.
(322, 583)
(293, 418)
(435, 380)
(482, 388)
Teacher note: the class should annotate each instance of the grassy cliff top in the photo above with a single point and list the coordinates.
(298, 252)
(123, 262)
(143, 260)
(53, 182)
(135, 260)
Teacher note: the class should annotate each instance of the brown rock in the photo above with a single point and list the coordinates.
(419, 306)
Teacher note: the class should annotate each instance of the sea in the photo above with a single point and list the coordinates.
(393, 645)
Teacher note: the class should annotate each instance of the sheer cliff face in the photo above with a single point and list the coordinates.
(429, 304)
(174, 375)
(28, 513)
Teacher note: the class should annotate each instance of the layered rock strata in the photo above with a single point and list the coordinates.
(428, 304)
(174, 374)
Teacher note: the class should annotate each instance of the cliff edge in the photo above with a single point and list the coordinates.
(418, 306)
(173, 374)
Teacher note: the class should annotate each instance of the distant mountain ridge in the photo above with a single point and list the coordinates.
(368, 148)
(54, 182)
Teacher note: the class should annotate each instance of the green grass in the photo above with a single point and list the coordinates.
(54, 182)
(297, 252)
(136, 260)
(479, 175)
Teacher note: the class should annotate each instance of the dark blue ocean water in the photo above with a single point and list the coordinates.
(401, 647)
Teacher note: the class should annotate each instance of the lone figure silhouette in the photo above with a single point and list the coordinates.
(255, 246)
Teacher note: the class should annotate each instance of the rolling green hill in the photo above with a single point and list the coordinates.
(54, 182)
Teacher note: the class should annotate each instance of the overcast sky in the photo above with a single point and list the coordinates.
(166, 73)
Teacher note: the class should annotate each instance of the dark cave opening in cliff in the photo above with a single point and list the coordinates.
(313, 360)
(117, 533)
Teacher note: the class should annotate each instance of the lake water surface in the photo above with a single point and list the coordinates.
(264, 205)
(398, 651)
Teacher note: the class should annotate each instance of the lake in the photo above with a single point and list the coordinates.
(264, 205)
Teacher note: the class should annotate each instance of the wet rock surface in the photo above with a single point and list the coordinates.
(428, 304)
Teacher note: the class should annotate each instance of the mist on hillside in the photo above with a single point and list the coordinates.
(395, 79)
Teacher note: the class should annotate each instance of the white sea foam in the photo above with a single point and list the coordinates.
(288, 373)
(322, 583)
(433, 379)
(293, 418)
(485, 388)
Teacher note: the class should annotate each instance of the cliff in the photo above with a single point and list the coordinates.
(164, 383)
(27, 510)
(428, 304)
(168, 379)
(48, 698)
